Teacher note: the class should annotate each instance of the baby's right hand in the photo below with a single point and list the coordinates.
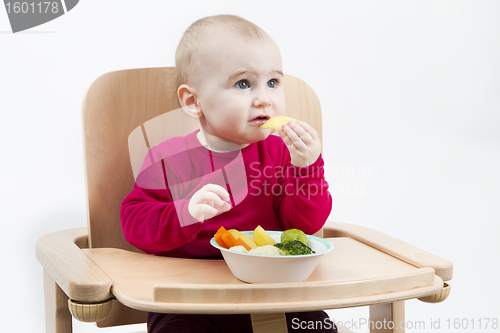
(208, 201)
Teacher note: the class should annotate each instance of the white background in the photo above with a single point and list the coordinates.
(410, 92)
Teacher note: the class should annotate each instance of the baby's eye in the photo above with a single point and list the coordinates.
(242, 84)
(272, 83)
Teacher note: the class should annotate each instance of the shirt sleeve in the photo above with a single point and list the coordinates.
(304, 202)
(152, 221)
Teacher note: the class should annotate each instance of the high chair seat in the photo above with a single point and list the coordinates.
(91, 266)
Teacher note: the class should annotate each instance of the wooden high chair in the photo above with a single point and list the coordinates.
(101, 278)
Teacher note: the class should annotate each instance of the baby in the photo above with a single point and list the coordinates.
(232, 172)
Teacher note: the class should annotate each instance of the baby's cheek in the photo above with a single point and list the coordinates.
(232, 121)
(279, 108)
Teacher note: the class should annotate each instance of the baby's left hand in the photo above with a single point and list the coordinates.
(302, 141)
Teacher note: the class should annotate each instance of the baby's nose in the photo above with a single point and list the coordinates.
(262, 100)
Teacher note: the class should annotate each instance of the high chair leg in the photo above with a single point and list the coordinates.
(269, 323)
(58, 319)
(387, 317)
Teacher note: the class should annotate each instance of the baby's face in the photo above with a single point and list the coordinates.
(239, 87)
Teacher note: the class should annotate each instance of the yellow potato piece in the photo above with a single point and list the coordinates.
(245, 238)
(261, 237)
(276, 122)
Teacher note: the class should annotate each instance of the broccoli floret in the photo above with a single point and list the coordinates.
(294, 247)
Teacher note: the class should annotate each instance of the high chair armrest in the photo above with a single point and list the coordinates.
(78, 276)
(390, 245)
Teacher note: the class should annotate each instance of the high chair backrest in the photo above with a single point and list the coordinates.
(117, 110)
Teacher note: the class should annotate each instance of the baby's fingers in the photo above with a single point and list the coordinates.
(205, 209)
(202, 212)
(305, 132)
(218, 190)
(207, 202)
(291, 136)
(225, 207)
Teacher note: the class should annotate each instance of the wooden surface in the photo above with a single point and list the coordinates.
(439, 297)
(125, 112)
(89, 313)
(57, 316)
(387, 318)
(269, 323)
(122, 315)
(390, 245)
(78, 276)
(353, 274)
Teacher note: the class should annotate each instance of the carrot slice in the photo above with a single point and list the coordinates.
(242, 242)
(221, 242)
(218, 237)
(221, 230)
(229, 239)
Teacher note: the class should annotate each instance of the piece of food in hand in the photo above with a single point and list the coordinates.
(293, 234)
(218, 237)
(276, 122)
(261, 237)
(294, 248)
(267, 250)
(249, 243)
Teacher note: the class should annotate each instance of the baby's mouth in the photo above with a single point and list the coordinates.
(259, 120)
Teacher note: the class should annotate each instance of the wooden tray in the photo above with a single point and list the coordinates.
(353, 274)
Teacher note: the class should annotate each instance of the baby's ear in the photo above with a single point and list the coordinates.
(189, 101)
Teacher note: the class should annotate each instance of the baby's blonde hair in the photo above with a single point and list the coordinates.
(187, 55)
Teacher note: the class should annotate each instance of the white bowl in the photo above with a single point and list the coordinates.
(257, 268)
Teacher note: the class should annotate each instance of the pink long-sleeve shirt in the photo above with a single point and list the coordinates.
(265, 189)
